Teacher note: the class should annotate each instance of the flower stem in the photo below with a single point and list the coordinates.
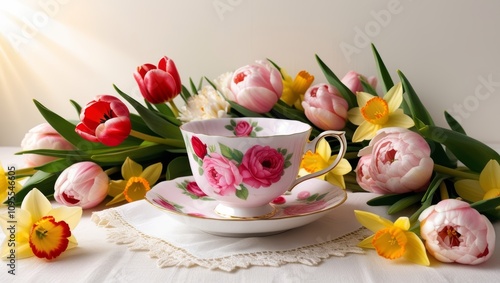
(455, 173)
(26, 171)
(174, 108)
(145, 137)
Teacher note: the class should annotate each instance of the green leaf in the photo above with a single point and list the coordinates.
(57, 165)
(43, 181)
(337, 83)
(137, 154)
(433, 186)
(413, 103)
(387, 82)
(178, 167)
(367, 87)
(185, 94)
(65, 128)
(156, 123)
(242, 110)
(277, 67)
(487, 204)
(194, 89)
(387, 199)
(404, 203)
(242, 193)
(230, 153)
(167, 113)
(454, 125)
(78, 108)
(472, 153)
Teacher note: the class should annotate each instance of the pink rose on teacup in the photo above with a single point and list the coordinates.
(199, 148)
(193, 188)
(221, 173)
(261, 166)
(243, 129)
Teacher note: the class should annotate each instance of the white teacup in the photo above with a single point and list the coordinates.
(245, 163)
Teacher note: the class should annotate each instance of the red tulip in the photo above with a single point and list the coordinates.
(106, 119)
(158, 84)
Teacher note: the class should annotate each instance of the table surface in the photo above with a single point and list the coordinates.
(97, 260)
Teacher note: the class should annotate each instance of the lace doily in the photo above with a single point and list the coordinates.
(143, 228)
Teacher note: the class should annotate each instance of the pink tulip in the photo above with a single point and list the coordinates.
(43, 136)
(256, 87)
(455, 232)
(325, 107)
(400, 161)
(82, 184)
(352, 81)
(106, 119)
(158, 84)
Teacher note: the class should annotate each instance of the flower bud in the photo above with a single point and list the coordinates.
(82, 184)
(43, 136)
(256, 87)
(158, 84)
(325, 107)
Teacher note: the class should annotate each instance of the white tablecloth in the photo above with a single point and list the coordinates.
(98, 260)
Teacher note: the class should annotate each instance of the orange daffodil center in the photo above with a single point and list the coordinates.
(375, 113)
(136, 183)
(314, 162)
(136, 188)
(487, 187)
(48, 238)
(392, 240)
(41, 230)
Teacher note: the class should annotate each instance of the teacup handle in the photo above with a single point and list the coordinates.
(340, 136)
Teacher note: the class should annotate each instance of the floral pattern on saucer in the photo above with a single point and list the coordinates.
(307, 202)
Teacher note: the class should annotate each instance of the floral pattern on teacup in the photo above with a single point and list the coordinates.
(228, 171)
(243, 128)
(160, 200)
(192, 190)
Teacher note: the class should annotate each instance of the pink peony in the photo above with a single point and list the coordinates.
(325, 107)
(43, 136)
(261, 166)
(400, 162)
(222, 174)
(363, 175)
(455, 232)
(256, 87)
(82, 184)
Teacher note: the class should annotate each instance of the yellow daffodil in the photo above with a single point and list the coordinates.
(487, 187)
(38, 229)
(8, 183)
(136, 182)
(313, 162)
(294, 89)
(375, 113)
(392, 240)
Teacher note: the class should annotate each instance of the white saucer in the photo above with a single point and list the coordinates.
(307, 202)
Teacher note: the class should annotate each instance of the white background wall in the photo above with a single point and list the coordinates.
(56, 50)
